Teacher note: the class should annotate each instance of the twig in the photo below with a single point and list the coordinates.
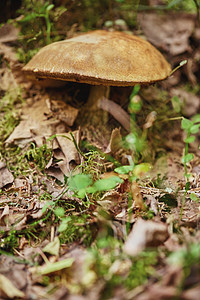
(116, 111)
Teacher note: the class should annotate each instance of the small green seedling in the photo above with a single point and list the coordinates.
(82, 184)
(191, 127)
(41, 12)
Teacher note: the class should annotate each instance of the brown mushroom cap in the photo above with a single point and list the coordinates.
(100, 57)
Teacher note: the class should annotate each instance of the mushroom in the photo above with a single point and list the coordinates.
(99, 58)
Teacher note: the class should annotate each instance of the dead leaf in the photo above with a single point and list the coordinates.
(8, 33)
(115, 143)
(190, 102)
(169, 32)
(37, 211)
(4, 215)
(145, 234)
(64, 112)
(136, 195)
(6, 176)
(191, 294)
(53, 247)
(34, 122)
(39, 122)
(69, 152)
(150, 119)
(55, 173)
(8, 52)
(7, 79)
(9, 289)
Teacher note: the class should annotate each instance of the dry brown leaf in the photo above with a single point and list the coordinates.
(169, 32)
(145, 234)
(38, 121)
(55, 173)
(64, 112)
(69, 151)
(8, 289)
(4, 215)
(115, 143)
(37, 209)
(7, 80)
(8, 52)
(6, 176)
(8, 33)
(136, 195)
(189, 101)
(33, 122)
(191, 294)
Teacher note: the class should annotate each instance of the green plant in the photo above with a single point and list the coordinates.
(9, 116)
(188, 5)
(76, 228)
(9, 241)
(82, 184)
(191, 127)
(27, 160)
(188, 259)
(39, 156)
(114, 268)
(143, 266)
(136, 140)
(37, 22)
(92, 164)
(40, 10)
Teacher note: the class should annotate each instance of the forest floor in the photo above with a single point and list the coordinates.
(133, 237)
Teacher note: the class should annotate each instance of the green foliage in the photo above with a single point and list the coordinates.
(187, 258)
(187, 5)
(135, 171)
(10, 241)
(176, 104)
(191, 127)
(36, 26)
(82, 184)
(40, 10)
(9, 117)
(92, 164)
(39, 156)
(76, 228)
(116, 269)
(25, 161)
(194, 197)
(142, 268)
(136, 140)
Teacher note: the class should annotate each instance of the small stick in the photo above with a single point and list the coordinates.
(116, 111)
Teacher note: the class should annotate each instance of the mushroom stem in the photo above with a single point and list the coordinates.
(97, 92)
(91, 113)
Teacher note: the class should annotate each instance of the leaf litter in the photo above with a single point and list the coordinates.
(148, 218)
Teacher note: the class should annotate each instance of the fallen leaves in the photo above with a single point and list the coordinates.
(39, 121)
(8, 33)
(118, 213)
(169, 32)
(6, 176)
(145, 234)
(8, 289)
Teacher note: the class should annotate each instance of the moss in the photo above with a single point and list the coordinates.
(79, 229)
(9, 115)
